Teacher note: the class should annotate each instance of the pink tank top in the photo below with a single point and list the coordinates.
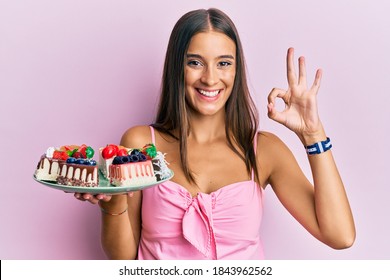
(224, 224)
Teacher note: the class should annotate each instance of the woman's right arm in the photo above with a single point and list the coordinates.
(121, 223)
(121, 233)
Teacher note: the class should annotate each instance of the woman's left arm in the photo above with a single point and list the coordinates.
(329, 203)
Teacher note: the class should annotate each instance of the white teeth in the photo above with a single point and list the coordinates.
(209, 93)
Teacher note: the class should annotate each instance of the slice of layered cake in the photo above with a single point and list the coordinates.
(48, 165)
(69, 165)
(133, 167)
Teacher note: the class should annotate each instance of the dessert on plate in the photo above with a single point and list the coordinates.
(133, 166)
(69, 165)
(73, 165)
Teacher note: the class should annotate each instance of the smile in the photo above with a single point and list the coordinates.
(208, 93)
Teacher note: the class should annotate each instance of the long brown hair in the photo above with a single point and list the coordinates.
(241, 121)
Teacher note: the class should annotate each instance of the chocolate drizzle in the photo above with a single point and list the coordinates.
(72, 175)
(50, 161)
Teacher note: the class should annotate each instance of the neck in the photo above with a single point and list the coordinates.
(206, 129)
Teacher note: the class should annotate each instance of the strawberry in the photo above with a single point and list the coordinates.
(122, 153)
(62, 155)
(83, 150)
(57, 154)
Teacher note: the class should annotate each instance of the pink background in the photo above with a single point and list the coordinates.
(74, 72)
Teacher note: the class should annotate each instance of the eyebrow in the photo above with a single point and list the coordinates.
(191, 55)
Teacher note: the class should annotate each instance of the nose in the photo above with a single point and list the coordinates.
(209, 76)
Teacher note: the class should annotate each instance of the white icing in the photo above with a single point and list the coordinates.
(134, 182)
(79, 173)
(70, 172)
(159, 160)
(63, 171)
(47, 171)
(50, 152)
(84, 175)
(132, 174)
(104, 164)
(76, 174)
(91, 178)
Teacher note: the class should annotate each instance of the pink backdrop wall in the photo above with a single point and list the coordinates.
(84, 71)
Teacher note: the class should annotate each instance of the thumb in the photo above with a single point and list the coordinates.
(273, 114)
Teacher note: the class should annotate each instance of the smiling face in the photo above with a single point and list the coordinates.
(210, 70)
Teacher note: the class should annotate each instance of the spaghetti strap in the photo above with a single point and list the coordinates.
(152, 133)
(255, 149)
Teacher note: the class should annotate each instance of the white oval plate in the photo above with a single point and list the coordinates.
(103, 188)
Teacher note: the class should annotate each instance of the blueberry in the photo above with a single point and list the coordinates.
(121, 160)
(117, 160)
(142, 157)
(80, 161)
(135, 152)
(71, 160)
(90, 162)
(134, 158)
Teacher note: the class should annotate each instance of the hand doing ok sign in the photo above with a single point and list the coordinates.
(300, 114)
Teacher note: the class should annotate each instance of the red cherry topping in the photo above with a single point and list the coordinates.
(115, 147)
(109, 151)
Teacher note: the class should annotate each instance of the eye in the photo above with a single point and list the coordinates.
(224, 64)
(194, 63)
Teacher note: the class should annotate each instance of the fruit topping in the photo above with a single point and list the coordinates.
(142, 157)
(71, 152)
(128, 159)
(68, 148)
(134, 158)
(90, 162)
(77, 155)
(89, 152)
(149, 151)
(110, 151)
(81, 161)
(120, 160)
(60, 155)
(71, 160)
(122, 152)
(83, 151)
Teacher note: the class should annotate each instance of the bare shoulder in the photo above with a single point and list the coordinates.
(136, 136)
(272, 155)
(268, 142)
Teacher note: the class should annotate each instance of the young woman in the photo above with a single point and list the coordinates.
(207, 126)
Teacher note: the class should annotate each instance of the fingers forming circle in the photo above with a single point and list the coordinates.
(278, 93)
